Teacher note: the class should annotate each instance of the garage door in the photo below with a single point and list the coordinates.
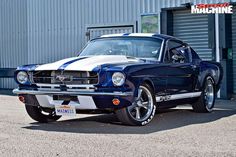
(234, 47)
(193, 29)
(93, 32)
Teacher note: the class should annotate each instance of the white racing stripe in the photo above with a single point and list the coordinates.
(85, 64)
(141, 34)
(177, 96)
(88, 64)
(113, 35)
(54, 65)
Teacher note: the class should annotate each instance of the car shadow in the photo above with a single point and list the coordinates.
(109, 124)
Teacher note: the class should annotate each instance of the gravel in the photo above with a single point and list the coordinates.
(173, 132)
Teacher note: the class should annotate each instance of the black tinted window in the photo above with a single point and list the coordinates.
(194, 54)
(172, 49)
(178, 52)
(174, 44)
(186, 52)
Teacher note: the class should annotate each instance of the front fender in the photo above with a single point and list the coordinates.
(138, 81)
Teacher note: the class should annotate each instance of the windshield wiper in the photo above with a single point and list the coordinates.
(132, 57)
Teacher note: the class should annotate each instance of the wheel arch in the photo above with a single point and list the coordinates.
(147, 81)
(212, 69)
(204, 79)
(150, 83)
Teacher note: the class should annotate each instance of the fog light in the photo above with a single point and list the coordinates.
(22, 99)
(116, 101)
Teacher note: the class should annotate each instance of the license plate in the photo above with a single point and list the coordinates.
(65, 110)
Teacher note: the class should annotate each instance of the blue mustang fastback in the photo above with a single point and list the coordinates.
(132, 75)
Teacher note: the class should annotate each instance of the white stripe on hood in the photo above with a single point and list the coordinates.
(86, 64)
(54, 65)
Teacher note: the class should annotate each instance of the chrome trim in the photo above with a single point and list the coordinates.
(47, 85)
(68, 90)
(62, 72)
(209, 94)
(69, 86)
(177, 96)
(81, 85)
(80, 90)
(48, 89)
(35, 92)
(161, 50)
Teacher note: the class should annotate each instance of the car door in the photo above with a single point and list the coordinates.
(180, 72)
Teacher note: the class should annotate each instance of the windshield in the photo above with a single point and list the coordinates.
(134, 47)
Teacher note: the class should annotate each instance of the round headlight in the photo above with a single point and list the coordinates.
(22, 77)
(118, 79)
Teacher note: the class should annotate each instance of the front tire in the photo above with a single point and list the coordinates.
(38, 114)
(142, 111)
(206, 101)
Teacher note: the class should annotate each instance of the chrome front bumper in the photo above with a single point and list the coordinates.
(89, 93)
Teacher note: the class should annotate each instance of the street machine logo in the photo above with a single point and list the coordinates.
(221, 8)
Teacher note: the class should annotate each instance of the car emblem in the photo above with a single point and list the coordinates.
(62, 77)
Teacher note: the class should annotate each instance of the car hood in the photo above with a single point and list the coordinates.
(85, 63)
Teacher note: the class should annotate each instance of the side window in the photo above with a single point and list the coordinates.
(186, 51)
(194, 54)
(177, 52)
(171, 48)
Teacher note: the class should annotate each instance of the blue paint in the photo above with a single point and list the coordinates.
(29, 67)
(62, 67)
(126, 34)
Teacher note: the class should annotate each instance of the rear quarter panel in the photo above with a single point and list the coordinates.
(213, 69)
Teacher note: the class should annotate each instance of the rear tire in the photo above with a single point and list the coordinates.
(142, 111)
(37, 114)
(206, 101)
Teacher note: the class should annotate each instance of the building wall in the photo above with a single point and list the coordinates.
(13, 36)
(48, 30)
(56, 28)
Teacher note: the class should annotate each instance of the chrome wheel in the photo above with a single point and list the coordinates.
(205, 103)
(209, 94)
(142, 107)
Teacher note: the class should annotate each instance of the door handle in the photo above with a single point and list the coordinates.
(193, 66)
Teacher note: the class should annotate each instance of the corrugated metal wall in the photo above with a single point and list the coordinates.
(193, 29)
(234, 47)
(56, 28)
(48, 30)
(13, 37)
(96, 32)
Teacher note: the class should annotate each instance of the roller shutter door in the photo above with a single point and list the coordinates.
(98, 31)
(234, 47)
(193, 29)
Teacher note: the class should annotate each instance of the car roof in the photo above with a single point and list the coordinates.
(154, 35)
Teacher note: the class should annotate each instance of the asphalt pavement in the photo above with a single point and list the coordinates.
(173, 132)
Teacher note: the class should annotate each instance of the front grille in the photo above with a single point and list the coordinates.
(64, 77)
